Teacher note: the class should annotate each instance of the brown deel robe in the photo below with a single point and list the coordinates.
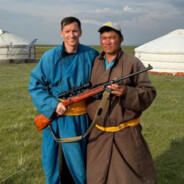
(121, 157)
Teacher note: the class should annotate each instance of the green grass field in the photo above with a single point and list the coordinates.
(20, 142)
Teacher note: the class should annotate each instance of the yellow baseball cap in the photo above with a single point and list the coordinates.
(112, 25)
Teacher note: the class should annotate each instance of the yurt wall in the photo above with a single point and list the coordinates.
(165, 54)
(14, 49)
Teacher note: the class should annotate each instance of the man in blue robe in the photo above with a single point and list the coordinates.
(59, 70)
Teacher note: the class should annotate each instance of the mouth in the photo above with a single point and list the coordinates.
(108, 47)
(72, 40)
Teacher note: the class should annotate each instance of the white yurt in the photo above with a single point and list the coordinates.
(165, 54)
(14, 49)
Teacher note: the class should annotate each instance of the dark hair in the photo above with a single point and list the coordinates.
(108, 29)
(69, 20)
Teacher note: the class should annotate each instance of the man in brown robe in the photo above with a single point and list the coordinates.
(117, 153)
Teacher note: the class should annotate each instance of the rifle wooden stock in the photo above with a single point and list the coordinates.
(41, 121)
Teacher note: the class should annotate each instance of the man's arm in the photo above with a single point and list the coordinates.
(139, 97)
(42, 99)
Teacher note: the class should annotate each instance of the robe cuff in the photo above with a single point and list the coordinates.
(52, 107)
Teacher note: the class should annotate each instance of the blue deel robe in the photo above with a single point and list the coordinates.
(54, 74)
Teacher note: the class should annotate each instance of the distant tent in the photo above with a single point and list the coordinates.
(14, 49)
(165, 54)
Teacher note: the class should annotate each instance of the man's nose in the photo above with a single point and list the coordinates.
(71, 33)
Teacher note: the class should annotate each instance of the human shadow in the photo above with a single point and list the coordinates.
(170, 165)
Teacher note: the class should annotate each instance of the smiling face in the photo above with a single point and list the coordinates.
(110, 42)
(71, 34)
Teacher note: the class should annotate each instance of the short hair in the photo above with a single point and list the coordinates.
(69, 20)
(108, 29)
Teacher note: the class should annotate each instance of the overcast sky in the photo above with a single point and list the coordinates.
(141, 20)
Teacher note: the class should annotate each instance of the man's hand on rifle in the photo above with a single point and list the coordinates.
(60, 109)
(117, 90)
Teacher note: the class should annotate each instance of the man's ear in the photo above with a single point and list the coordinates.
(80, 32)
(61, 34)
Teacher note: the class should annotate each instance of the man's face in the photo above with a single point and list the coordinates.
(110, 42)
(71, 33)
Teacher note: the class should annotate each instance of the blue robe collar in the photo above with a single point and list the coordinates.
(63, 53)
(120, 52)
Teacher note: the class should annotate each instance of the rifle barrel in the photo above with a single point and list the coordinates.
(125, 77)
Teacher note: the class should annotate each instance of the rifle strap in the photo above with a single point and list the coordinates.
(101, 106)
(98, 113)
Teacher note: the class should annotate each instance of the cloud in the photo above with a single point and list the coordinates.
(93, 22)
(140, 20)
(178, 3)
(127, 9)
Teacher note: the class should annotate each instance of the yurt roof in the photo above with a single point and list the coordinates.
(7, 39)
(172, 42)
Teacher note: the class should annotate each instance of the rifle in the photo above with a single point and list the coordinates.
(80, 93)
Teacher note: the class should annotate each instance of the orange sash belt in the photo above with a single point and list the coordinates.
(130, 123)
(75, 109)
